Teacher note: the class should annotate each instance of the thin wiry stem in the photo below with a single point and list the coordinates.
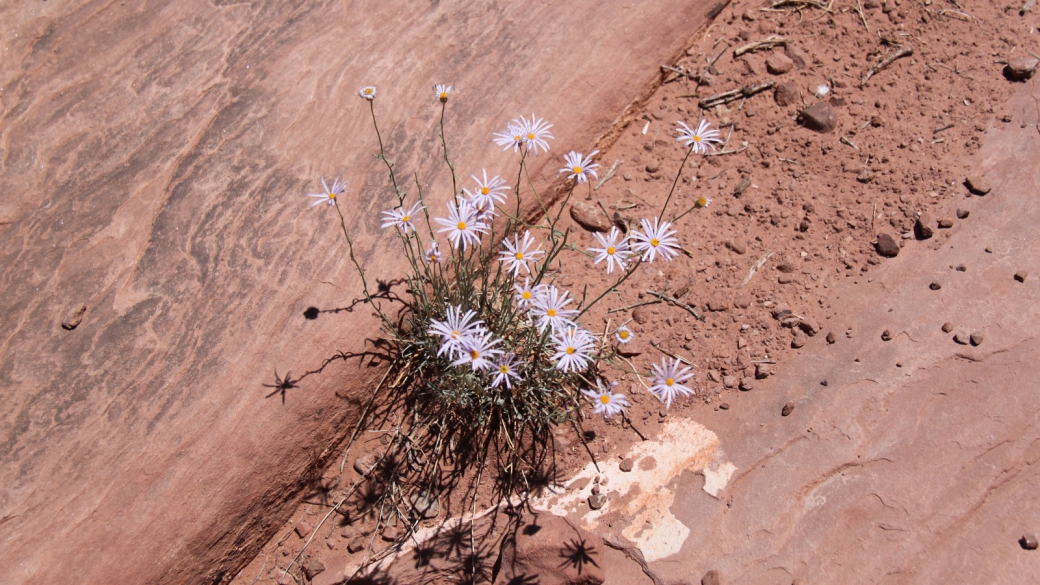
(674, 183)
(444, 144)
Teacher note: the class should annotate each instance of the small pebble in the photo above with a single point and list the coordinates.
(597, 501)
(946, 223)
(899, 364)
(989, 249)
(886, 335)
(724, 406)
(1028, 541)
(788, 409)
(747, 384)
(962, 338)
(962, 268)
(936, 285)
(831, 338)
(963, 214)
(1021, 275)
(947, 327)
(976, 338)
(390, 533)
(626, 464)
(823, 383)
(887, 246)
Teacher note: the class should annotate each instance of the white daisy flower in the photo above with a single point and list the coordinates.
(821, 90)
(548, 308)
(456, 328)
(703, 201)
(328, 194)
(573, 349)
(368, 92)
(578, 167)
(462, 225)
(478, 351)
(699, 140)
(504, 370)
(442, 91)
(527, 295)
(495, 188)
(483, 207)
(656, 239)
(433, 253)
(398, 217)
(613, 250)
(517, 254)
(512, 137)
(668, 379)
(623, 334)
(607, 403)
(535, 131)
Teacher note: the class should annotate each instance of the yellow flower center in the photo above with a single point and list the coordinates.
(503, 369)
(332, 196)
(484, 190)
(519, 255)
(551, 312)
(654, 242)
(433, 258)
(605, 399)
(526, 295)
(530, 135)
(611, 250)
(669, 382)
(462, 226)
(577, 170)
(696, 138)
(368, 91)
(455, 334)
(570, 350)
(444, 95)
(406, 218)
(623, 334)
(474, 354)
(702, 201)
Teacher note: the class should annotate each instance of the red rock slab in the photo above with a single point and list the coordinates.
(916, 462)
(153, 164)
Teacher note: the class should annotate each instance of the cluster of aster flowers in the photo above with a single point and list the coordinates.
(465, 340)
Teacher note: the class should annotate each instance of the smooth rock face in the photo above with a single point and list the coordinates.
(154, 160)
(555, 551)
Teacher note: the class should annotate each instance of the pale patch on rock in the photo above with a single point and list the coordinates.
(642, 497)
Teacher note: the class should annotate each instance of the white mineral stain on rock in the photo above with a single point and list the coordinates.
(642, 496)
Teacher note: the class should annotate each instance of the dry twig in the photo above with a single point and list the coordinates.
(768, 43)
(754, 268)
(607, 176)
(734, 95)
(884, 63)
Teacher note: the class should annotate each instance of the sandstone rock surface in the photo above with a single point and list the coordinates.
(154, 160)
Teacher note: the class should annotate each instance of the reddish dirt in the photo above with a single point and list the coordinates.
(872, 481)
